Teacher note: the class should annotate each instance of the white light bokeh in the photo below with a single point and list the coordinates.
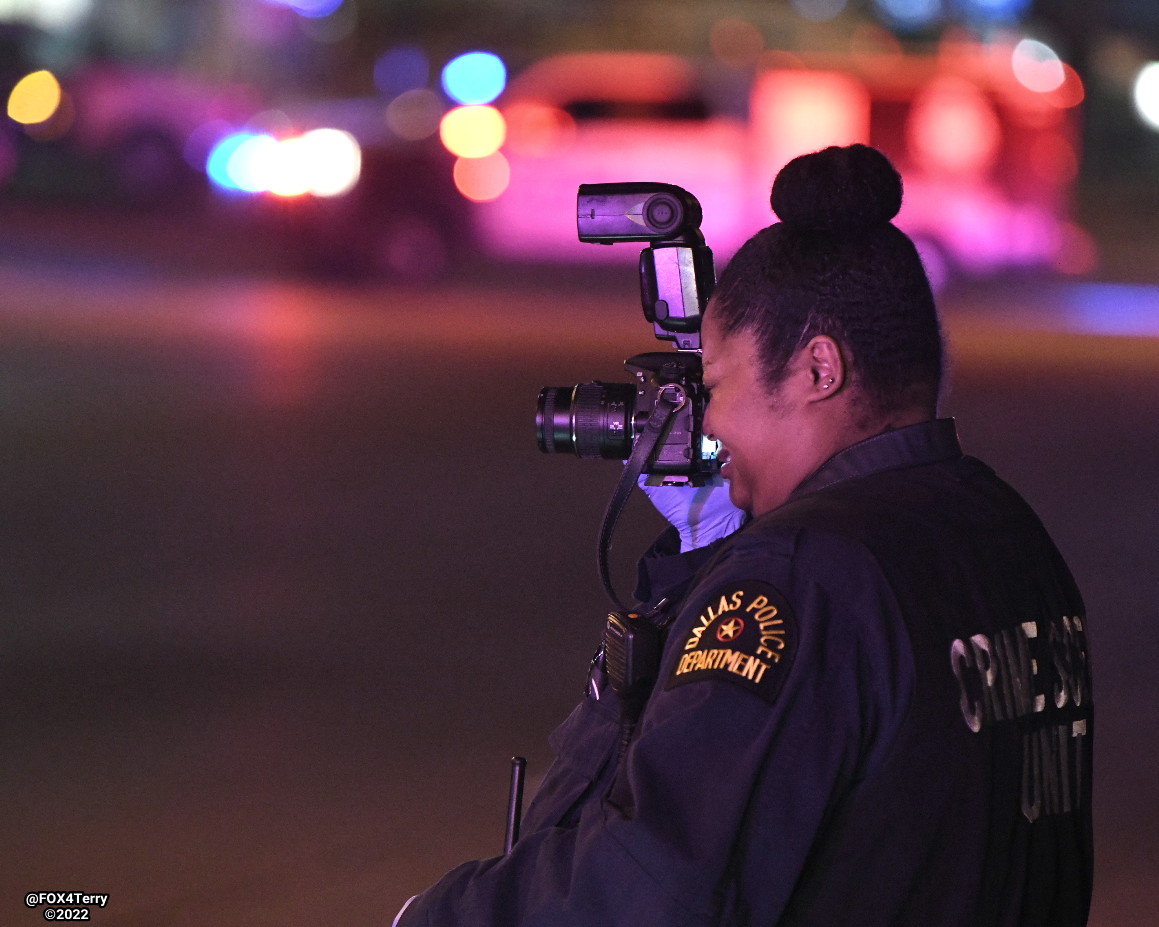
(49, 14)
(1146, 94)
(1037, 66)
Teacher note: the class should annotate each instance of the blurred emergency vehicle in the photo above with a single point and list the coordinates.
(985, 136)
(341, 191)
(103, 130)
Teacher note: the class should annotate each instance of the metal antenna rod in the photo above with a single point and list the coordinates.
(515, 802)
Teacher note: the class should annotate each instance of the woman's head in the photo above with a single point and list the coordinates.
(836, 265)
(822, 330)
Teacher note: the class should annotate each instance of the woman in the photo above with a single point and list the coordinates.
(873, 702)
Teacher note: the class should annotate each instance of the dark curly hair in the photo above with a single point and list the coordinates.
(836, 265)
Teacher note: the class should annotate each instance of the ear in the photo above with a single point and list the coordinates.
(826, 367)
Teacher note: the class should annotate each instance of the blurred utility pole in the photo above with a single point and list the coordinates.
(1077, 26)
(1083, 24)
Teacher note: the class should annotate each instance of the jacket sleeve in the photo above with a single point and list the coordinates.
(716, 803)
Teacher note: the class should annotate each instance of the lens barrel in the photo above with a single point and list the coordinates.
(590, 419)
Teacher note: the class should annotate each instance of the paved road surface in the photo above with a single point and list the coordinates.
(286, 580)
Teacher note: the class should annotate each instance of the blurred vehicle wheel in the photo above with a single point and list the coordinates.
(409, 246)
(404, 244)
(147, 168)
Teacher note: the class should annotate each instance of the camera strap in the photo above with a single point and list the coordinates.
(668, 403)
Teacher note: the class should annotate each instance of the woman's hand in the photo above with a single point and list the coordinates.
(702, 514)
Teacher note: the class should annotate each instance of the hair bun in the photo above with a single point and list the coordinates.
(851, 190)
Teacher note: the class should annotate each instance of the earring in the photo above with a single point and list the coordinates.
(828, 383)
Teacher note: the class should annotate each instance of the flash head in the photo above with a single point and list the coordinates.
(647, 211)
(676, 278)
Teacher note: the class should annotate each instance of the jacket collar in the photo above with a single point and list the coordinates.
(911, 446)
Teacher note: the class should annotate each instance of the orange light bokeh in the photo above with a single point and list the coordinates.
(482, 179)
(35, 98)
(473, 131)
(736, 42)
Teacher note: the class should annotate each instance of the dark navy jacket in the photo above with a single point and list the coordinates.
(873, 708)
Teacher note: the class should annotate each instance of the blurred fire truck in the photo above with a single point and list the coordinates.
(985, 136)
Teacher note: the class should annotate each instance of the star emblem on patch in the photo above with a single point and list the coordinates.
(743, 633)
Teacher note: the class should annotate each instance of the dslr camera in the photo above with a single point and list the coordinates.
(605, 420)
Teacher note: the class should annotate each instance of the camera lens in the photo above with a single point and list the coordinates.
(589, 419)
(663, 213)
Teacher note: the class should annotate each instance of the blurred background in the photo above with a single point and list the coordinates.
(286, 580)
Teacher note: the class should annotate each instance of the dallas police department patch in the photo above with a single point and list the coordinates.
(744, 634)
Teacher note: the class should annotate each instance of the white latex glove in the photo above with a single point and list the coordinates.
(702, 514)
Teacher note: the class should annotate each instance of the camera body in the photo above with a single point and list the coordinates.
(676, 279)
